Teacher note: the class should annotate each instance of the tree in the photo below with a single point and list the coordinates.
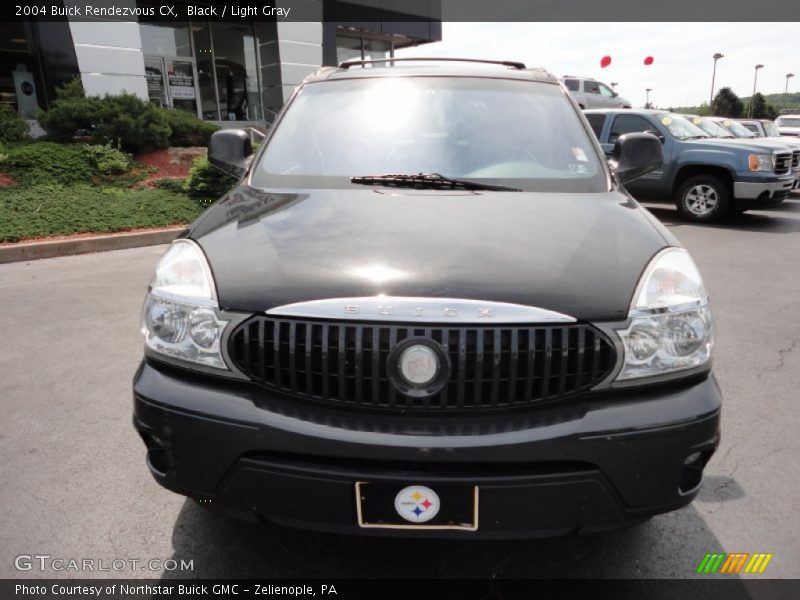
(763, 109)
(727, 104)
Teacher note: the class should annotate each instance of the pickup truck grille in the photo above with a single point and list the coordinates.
(796, 160)
(490, 367)
(783, 163)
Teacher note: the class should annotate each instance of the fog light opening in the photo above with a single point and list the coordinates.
(692, 458)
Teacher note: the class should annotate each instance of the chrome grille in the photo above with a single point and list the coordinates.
(490, 367)
(783, 162)
(796, 160)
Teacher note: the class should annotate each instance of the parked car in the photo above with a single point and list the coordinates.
(738, 129)
(708, 179)
(788, 124)
(589, 93)
(450, 319)
(760, 127)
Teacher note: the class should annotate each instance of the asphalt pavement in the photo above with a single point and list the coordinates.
(73, 482)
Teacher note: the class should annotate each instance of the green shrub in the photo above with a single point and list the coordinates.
(206, 182)
(44, 210)
(51, 163)
(124, 121)
(187, 129)
(171, 184)
(108, 160)
(13, 128)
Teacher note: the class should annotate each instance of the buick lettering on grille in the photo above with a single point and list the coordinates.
(431, 310)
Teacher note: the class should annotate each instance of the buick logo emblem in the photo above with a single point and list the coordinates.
(418, 367)
(418, 364)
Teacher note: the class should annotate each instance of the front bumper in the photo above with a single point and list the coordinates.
(753, 193)
(588, 465)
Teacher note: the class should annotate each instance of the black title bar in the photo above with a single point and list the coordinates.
(404, 10)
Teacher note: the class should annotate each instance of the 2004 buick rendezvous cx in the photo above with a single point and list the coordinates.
(430, 308)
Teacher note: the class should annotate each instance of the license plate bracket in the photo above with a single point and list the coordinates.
(456, 505)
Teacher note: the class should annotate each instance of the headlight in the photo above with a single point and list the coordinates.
(671, 329)
(761, 162)
(180, 311)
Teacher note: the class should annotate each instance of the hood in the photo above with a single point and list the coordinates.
(793, 143)
(748, 144)
(578, 254)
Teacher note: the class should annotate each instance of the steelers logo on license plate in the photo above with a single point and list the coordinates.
(417, 503)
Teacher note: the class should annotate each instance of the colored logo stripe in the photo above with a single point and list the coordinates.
(733, 563)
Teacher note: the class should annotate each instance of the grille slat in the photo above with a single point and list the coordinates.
(491, 368)
(783, 162)
(548, 361)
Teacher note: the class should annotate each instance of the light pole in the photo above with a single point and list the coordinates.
(786, 89)
(755, 81)
(716, 57)
(647, 100)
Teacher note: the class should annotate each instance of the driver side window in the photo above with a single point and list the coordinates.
(605, 90)
(629, 124)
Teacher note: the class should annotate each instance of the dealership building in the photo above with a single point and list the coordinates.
(234, 72)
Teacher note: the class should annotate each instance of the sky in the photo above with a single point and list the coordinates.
(680, 74)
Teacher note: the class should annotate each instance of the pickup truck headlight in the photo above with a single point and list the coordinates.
(671, 328)
(762, 162)
(180, 312)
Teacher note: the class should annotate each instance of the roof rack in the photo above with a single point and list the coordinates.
(505, 63)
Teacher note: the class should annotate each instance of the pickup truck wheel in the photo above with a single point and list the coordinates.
(703, 198)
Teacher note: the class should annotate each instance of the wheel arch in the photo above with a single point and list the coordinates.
(687, 171)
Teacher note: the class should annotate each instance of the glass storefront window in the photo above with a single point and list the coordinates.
(166, 39)
(19, 88)
(347, 48)
(376, 49)
(205, 70)
(236, 71)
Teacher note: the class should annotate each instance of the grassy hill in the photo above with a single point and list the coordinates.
(792, 101)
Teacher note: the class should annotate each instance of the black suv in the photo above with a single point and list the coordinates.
(430, 308)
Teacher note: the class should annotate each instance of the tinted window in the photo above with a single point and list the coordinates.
(573, 85)
(787, 121)
(629, 124)
(596, 120)
(591, 87)
(752, 127)
(517, 133)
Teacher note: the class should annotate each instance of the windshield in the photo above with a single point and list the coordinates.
(681, 128)
(519, 134)
(770, 129)
(711, 128)
(737, 129)
(788, 122)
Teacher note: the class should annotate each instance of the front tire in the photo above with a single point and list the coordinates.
(704, 199)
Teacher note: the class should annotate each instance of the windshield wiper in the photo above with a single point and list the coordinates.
(428, 181)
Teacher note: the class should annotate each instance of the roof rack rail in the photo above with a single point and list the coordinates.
(506, 63)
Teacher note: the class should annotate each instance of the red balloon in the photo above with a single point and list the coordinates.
(605, 61)
(648, 60)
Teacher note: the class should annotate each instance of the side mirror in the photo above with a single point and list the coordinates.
(636, 154)
(229, 150)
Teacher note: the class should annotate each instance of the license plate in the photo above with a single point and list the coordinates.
(418, 506)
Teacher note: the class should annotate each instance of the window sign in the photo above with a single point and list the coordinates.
(181, 83)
